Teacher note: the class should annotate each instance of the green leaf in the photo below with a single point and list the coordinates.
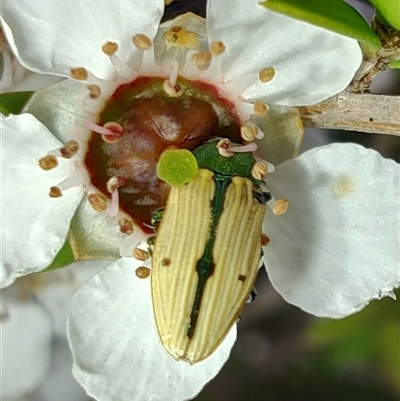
(64, 258)
(334, 15)
(388, 11)
(13, 102)
(395, 64)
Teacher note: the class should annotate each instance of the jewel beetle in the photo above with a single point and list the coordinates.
(206, 253)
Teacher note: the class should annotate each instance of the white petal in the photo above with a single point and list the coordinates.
(34, 226)
(61, 285)
(58, 108)
(117, 351)
(311, 63)
(337, 246)
(283, 134)
(53, 37)
(35, 82)
(25, 347)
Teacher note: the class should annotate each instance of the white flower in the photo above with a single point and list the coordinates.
(317, 258)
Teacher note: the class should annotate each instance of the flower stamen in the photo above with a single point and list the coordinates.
(142, 272)
(112, 187)
(70, 149)
(94, 91)
(48, 162)
(266, 74)
(80, 74)
(55, 192)
(265, 240)
(110, 49)
(250, 147)
(280, 207)
(140, 254)
(248, 132)
(201, 60)
(260, 109)
(98, 202)
(142, 42)
(259, 171)
(126, 226)
(111, 131)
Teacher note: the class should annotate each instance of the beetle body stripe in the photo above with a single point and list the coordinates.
(205, 261)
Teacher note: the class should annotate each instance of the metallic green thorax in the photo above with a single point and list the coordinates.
(240, 164)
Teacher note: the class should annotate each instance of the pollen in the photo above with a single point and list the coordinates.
(266, 74)
(94, 91)
(55, 192)
(142, 42)
(202, 59)
(70, 149)
(280, 207)
(140, 254)
(249, 132)
(265, 240)
(80, 74)
(260, 109)
(217, 48)
(142, 272)
(259, 171)
(48, 162)
(109, 48)
(126, 227)
(98, 202)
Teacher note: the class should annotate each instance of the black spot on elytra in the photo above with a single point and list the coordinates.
(241, 277)
(165, 262)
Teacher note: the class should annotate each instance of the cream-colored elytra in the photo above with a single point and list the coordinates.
(180, 243)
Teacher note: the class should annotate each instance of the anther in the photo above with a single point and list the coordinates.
(142, 42)
(223, 145)
(48, 162)
(80, 74)
(142, 272)
(55, 192)
(112, 187)
(94, 91)
(266, 74)
(280, 207)
(217, 48)
(172, 90)
(248, 132)
(259, 171)
(126, 226)
(201, 60)
(140, 254)
(70, 149)
(98, 202)
(265, 240)
(114, 131)
(109, 48)
(114, 183)
(260, 109)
